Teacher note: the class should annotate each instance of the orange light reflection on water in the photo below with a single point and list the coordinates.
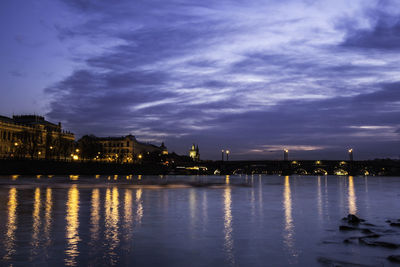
(72, 228)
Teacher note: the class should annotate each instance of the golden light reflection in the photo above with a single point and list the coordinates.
(352, 197)
(228, 245)
(128, 219)
(36, 221)
(192, 207)
(319, 198)
(74, 177)
(205, 210)
(139, 206)
(95, 216)
(260, 197)
(111, 231)
(47, 215)
(9, 241)
(253, 200)
(289, 226)
(227, 179)
(72, 220)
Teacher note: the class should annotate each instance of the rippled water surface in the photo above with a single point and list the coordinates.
(193, 220)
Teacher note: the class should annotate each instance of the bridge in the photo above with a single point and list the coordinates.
(300, 167)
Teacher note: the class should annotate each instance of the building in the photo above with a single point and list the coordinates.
(31, 136)
(125, 149)
(194, 153)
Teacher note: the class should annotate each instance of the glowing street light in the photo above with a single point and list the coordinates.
(351, 154)
(285, 154)
(227, 155)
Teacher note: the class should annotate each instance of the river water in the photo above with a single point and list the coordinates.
(194, 220)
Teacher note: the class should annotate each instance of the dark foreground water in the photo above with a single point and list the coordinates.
(195, 220)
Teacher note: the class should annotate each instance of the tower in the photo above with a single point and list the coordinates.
(194, 153)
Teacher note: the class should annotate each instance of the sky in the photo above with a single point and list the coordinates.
(254, 76)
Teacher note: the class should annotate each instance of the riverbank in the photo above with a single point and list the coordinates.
(27, 167)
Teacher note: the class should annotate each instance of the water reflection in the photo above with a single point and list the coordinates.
(72, 219)
(192, 207)
(95, 216)
(48, 215)
(111, 231)
(227, 179)
(9, 242)
(128, 219)
(289, 226)
(36, 222)
(228, 224)
(205, 211)
(139, 206)
(352, 197)
(74, 177)
(319, 199)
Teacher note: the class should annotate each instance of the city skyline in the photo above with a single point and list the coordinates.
(254, 77)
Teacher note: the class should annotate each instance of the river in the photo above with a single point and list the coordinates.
(254, 220)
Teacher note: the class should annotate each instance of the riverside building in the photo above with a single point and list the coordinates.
(126, 149)
(31, 136)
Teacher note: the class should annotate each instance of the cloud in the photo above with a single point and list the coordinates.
(231, 75)
(380, 32)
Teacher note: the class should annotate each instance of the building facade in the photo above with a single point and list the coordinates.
(126, 149)
(31, 136)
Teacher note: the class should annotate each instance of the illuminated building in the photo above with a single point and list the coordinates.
(126, 148)
(31, 136)
(194, 153)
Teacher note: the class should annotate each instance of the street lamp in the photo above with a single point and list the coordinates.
(222, 153)
(227, 155)
(351, 154)
(285, 154)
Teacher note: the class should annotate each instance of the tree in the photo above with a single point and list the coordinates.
(89, 147)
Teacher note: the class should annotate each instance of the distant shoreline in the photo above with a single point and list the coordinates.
(306, 167)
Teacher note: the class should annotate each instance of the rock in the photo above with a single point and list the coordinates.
(367, 231)
(333, 262)
(347, 228)
(369, 224)
(386, 244)
(395, 224)
(353, 219)
(377, 243)
(394, 258)
(347, 241)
